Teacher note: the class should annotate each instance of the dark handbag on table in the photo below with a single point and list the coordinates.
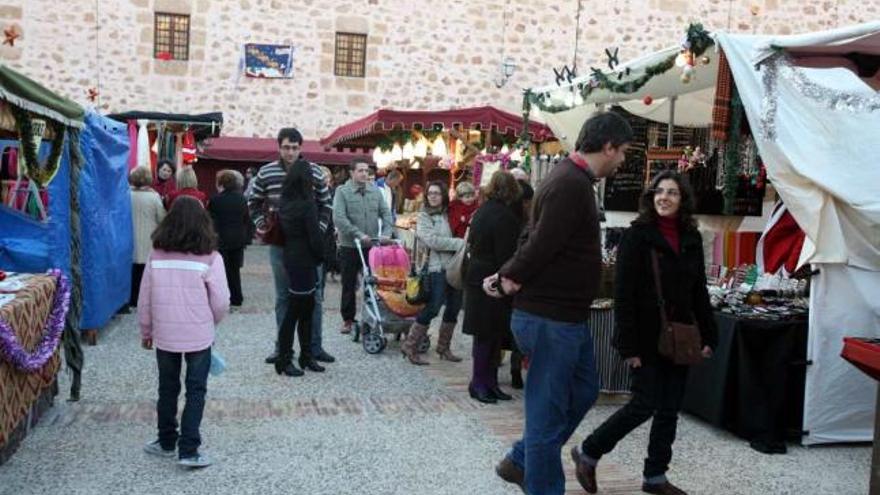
(418, 284)
(679, 342)
(272, 234)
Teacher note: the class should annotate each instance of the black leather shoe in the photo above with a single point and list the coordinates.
(484, 396)
(289, 369)
(585, 473)
(666, 488)
(311, 365)
(324, 357)
(511, 473)
(271, 358)
(500, 395)
(516, 380)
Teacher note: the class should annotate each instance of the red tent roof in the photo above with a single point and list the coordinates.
(365, 132)
(262, 150)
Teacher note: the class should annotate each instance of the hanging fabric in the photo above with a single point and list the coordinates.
(178, 145)
(189, 147)
(133, 143)
(143, 144)
(170, 151)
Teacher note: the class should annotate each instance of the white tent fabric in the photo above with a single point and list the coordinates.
(816, 124)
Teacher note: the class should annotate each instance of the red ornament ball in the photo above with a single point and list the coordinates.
(647, 100)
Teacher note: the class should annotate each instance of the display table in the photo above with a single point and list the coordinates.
(864, 354)
(754, 383)
(613, 373)
(24, 396)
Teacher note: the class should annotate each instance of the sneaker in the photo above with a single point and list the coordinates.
(155, 448)
(194, 462)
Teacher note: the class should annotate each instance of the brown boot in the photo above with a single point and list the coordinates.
(443, 342)
(410, 346)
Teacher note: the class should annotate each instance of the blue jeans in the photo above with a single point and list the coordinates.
(317, 315)
(562, 386)
(279, 276)
(197, 366)
(441, 294)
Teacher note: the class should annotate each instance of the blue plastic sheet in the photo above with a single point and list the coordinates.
(29, 245)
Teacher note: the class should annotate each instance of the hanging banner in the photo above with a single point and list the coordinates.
(268, 61)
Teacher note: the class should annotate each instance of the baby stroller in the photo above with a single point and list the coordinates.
(385, 309)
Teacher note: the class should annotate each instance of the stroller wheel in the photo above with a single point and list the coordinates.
(373, 344)
(355, 331)
(424, 345)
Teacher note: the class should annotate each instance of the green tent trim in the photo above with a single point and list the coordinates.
(27, 94)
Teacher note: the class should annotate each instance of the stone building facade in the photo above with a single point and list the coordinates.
(419, 55)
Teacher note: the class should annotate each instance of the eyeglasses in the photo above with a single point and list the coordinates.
(290, 147)
(670, 192)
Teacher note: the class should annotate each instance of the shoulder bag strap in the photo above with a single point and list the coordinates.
(655, 265)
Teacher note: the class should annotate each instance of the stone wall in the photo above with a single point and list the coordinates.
(420, 55)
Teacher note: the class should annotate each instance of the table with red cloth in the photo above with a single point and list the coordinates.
(23, 396)
(864, 354)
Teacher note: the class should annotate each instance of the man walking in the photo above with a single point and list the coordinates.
(264, 204)
(555, 276)
(358, 209)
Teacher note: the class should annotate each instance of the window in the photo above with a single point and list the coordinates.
(171, 39)
(351, 54)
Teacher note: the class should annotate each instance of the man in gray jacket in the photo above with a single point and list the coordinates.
(358, 209)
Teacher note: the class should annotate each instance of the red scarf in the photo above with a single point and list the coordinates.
(579, 161)
(669, 228)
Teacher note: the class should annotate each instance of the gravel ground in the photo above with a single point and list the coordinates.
(371, 424)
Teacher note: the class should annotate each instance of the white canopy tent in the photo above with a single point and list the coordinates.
(813, 105)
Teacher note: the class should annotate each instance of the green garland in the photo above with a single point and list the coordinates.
(41, 174)
(697, 40)
(731, 153)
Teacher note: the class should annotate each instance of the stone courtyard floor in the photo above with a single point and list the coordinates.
(372, 424)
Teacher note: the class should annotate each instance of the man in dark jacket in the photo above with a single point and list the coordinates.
(555, 276)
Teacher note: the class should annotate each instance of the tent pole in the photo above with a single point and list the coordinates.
(670, 129)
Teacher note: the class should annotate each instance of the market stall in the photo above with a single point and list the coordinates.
(779, 107)
(239, 153)
(32, 313)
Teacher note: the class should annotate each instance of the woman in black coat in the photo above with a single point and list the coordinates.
(233, 225)
(303, 252)
(664, 226)
(492, 241)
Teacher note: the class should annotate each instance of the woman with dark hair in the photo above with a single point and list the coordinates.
(232, 222)
(165, 183)
(434, 232)
(665, 229)
(303, 252)
(492, 241)
(183, 297)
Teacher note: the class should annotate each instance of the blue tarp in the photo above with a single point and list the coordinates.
(28, 245)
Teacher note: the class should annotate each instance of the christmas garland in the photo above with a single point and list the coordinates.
(731, 153)
(12, 351)
(41, 174)
(697, 41)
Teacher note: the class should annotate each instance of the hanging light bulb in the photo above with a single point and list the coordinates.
(420, 150)
(408, 150)
(505, 149)
(396, 153)
(438, 148)
(378, 157)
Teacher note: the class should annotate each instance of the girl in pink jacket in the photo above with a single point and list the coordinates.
(183, 296)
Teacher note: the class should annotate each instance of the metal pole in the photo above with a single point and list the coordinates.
(670, 129)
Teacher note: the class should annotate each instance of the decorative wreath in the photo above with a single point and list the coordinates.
(41, 173)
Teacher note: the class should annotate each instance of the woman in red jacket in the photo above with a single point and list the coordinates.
(462, 208)
(187, 185)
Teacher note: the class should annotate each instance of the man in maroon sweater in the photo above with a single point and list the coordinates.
(554, 276)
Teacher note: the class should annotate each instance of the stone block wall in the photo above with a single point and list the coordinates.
(420, 55)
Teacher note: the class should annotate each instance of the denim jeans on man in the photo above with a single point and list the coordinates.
(197, 366)
(561, 387)
(441, 294)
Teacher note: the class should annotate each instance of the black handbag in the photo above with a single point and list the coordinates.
(418, 284)
(679, 342)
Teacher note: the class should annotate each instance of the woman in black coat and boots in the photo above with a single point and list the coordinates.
(233, 225)
(303, 252)
(664, 226)
(492, 241)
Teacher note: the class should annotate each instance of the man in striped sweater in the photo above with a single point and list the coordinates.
(265, 200)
